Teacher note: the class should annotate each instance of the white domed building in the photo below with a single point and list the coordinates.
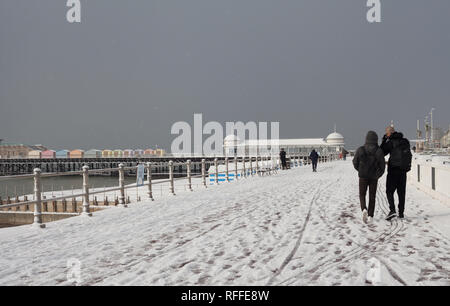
(335, 139)
(332, 144)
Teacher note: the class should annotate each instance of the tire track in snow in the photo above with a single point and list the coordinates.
(299, 239)
(361, 249)
(394, 229)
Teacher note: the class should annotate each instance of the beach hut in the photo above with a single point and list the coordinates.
(117, 153)
(107, 153)
(35, 154)
(128, 153)
(149, 152)
(62, 154)
(159, 152)
(76, 154)
(93, 154)
(138, 153)
(48, 154)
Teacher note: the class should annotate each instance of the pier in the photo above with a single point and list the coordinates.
(62, 165)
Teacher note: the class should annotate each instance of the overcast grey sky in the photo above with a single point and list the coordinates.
(131, 69)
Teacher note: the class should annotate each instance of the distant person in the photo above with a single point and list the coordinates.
(344, 154)
(314, 158)
(399, 164)
(370, 164)
(283, 159)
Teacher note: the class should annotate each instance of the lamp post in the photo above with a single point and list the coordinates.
(431, 123)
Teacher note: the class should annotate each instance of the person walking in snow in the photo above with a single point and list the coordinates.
(370, 164)
(344, 154)
(399, 164)
(283, 159)
(314, 156)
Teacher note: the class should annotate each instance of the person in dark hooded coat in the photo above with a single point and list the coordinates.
(370, 164)
(314, 156)
(283, 159)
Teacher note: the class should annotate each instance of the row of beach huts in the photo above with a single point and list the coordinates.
(51, 154)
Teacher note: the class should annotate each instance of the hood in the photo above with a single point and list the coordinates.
(371, 144)
(371, 138)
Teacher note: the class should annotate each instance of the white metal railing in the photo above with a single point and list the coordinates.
(262, 167)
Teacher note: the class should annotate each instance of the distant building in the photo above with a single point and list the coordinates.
(160, 152)
(62, 154)
(333, 143)
(445, 139)
(128, 153)
(48, 154)
(149, 152)
(138, 153)
(35, 154)
(437, 135)
(76, 154)
(93, 153)
(117, 153)
(107, 153)
(14, 150)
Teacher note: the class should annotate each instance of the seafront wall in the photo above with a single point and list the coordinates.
(431, 174)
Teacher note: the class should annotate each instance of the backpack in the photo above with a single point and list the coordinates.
(401, 155)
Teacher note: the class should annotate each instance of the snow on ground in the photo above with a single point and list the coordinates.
(292, 228)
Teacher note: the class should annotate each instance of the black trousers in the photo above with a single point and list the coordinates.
(396, 181)
(314, 165)
(372, 185)
(283, 164)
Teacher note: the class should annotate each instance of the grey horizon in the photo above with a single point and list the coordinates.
(123, 76)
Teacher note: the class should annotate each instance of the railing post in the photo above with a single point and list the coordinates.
(86, 210)
(188, 170)
(37, 195)
(257, 165)
(251, 165)
(236, 174)
(216, 167)
(204, 173)
(244, 171)
(172, 187)
(122, 186)
(226, 170)
(149, 181)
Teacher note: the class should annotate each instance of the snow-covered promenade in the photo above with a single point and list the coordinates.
(292, 228)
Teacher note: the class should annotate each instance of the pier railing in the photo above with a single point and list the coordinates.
(241, 168)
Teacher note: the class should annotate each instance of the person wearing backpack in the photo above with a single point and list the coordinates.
(370, 164)
(399, 164)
